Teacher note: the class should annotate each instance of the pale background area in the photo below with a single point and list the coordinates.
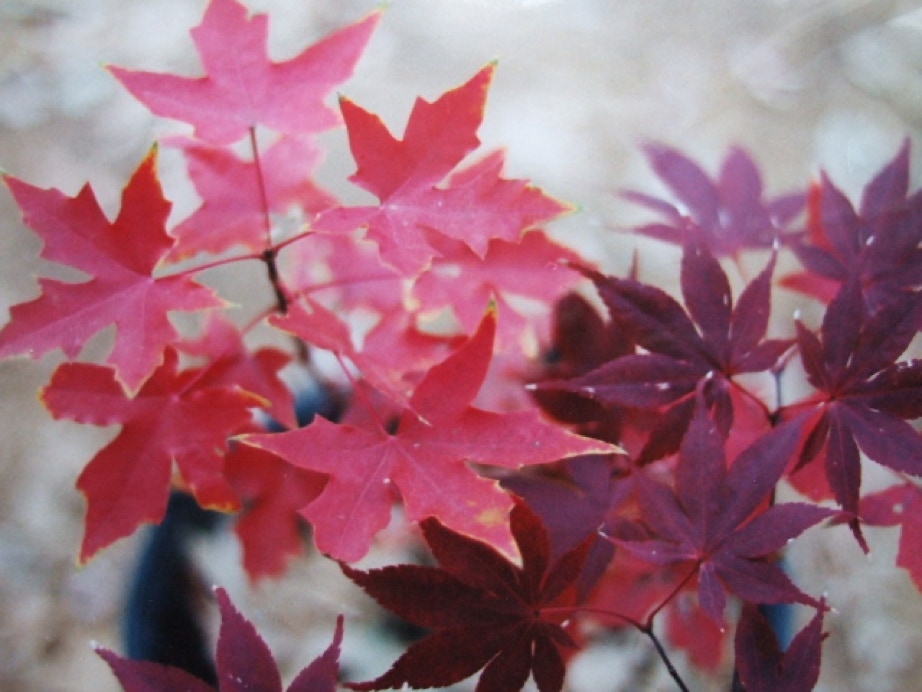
(800, 83)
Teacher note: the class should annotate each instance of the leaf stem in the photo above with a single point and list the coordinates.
(665, 658)
(649, 623)
(360, 393)
(261, 185)
(645, 628)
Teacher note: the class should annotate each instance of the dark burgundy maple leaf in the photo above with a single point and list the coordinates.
(710, 343)
(713, 523)
(763, 667)
(728, 215)
(486, 611)
(878, 243)
(244, 662)
(865, 397)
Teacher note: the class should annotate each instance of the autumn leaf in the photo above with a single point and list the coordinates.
(535, 268)
(476, 206)
(864, 395)
(171, 419)
(710, 343)
(321, 327)
(878, 243)
(486, 611)
(707, 525)
(272, 491)
(244, 662)
(121, 257)
(899, 505)
(231, 364)
(242, 88)
(761, 664)
(426, 459)
(232, 213)
(727, 216)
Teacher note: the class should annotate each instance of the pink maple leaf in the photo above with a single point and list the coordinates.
(121, 257)
(171, 419)
(426, 460)
(231, 212)
(242, 87)
(477, 204)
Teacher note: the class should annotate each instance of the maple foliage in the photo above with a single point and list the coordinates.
(231, 213)
(476, 206)
(900, 504)
(727, 216)
(486, 612)
(761, 664)
(244, 663)
(648, 421)
(426, 459)
(877, 243)
(121, 257)
(710, 343)
(711, 521)
(864, 395)
(242, 87)
(172, 418)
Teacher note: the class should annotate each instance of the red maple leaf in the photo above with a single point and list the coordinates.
(245, 663)
(534, 267)
(316, 325)
(242, 87)
(171, 419)
(710, 343)
(426, 458)
(477, 205)
(230, 363)
(865, 397)
(707, 525)
(761, 664)
(899, 505)
(727, 216)
(487, 612)
(121, 256)
(231, 212)
(272, 491)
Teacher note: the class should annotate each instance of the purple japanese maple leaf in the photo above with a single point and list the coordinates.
(711, 342)
(761, 664)
(712, 522)
(727, 215)
(865, 397)
(878, 243)
(244, 662)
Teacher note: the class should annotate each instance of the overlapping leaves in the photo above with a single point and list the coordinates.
(709, 343)
(865, 396)
(245, 663)
(486, 611)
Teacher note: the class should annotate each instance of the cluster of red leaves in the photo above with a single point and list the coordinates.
(660, 441)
